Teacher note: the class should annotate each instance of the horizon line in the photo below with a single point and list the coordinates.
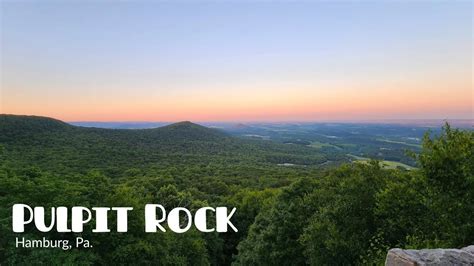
(259, 121)
(469, 121)
(419, 122)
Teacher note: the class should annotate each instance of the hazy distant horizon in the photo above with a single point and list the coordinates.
(408, 121)
(415, 122)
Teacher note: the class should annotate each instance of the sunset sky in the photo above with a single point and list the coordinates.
(237, 61)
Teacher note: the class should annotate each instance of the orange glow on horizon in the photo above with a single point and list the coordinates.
(304, 104)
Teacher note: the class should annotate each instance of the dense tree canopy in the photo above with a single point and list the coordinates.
(350, 214)
(353, 214)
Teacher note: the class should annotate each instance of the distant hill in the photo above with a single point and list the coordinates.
(189, 131)
(21, 123)
(51, 144)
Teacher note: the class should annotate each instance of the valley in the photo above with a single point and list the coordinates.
(337, 142)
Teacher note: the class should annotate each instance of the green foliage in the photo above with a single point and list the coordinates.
(273, 238)
(447, 161)
(298, 215)
(354, 214)
(344, 205)
(45, 162)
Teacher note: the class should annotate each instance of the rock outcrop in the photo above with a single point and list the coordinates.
(439, 257)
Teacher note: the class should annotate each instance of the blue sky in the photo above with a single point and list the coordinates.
(150, 60)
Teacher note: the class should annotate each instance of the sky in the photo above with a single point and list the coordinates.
(237, 60)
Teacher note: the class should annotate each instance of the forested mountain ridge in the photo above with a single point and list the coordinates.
(52, 144)
(188, 130)
(15, 125)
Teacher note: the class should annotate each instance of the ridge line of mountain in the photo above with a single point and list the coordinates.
(50, 121)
